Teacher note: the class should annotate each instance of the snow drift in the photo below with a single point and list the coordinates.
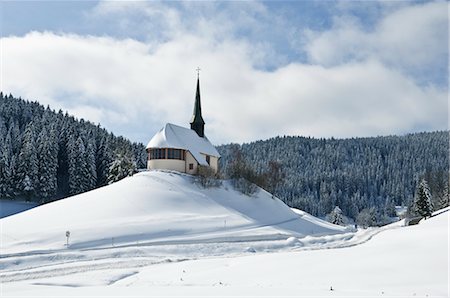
(156, 207)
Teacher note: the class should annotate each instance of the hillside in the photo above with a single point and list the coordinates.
(355, 174)
(153, 208)
(393, 261)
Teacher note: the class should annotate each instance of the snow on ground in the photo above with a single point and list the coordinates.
(412, 261)
(399, 262)
(155, 208)
(160, 234)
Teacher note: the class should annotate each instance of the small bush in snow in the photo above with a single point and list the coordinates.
(207, 177)
(367, 217)
(244, 186)
(243, 176)
(246, 180)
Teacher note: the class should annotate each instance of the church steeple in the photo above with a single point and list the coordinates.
(197, 122)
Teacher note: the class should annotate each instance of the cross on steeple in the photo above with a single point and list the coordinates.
(198, 72)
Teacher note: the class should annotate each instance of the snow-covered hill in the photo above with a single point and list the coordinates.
(156, 208)
(394, 261)
(162, 233)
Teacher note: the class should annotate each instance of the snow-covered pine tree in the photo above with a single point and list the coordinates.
(91, 171)
(336, 217)
(6, 168)
(122, 166)
(367, 217)
(16, 136)
(444, 199)
(140, 156)
(27, 166)
(103, 159)
(325, 204)
(48, 164)
(77, 166)
(422, 201)
(389, 208)
(72, 165)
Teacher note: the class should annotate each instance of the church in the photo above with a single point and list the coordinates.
(181, 149)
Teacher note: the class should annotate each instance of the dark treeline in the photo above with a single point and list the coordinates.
(360, 174)
(46, 155)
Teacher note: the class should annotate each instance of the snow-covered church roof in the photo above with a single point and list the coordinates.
(174, 136)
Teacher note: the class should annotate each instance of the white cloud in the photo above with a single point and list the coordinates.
(412, 37)
(134, 91)
(416, 35)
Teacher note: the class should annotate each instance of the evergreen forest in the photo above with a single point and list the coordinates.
(367, 176)
(46, 155)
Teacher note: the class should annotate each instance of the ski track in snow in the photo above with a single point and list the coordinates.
(79, 261)
(207, 233)
(74, 267)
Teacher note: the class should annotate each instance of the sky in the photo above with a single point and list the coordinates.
(308, 68)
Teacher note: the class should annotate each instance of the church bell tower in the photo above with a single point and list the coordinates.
(197, 122)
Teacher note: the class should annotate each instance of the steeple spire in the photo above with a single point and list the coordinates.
(197, 122)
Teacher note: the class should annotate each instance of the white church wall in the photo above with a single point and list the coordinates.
(167, 164)
(214, 163)
(191, 160)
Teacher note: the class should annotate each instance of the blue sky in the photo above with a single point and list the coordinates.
(322, 69)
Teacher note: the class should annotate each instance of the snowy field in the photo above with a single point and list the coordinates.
(161, 234)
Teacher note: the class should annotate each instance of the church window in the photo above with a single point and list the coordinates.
(161, 153)
(191, 166)
(175, 154)
(157, 153)
(166, 153)
(170, 154)
(207, 159)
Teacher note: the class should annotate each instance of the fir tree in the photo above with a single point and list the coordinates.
(27, 166)
(444, 200)
(48, 165)
(103, 160)
(77, 166)
(422, 200)
(6, 169)
(122, 166)
(367, 217)
(91, 172)
(389, 208)
(336, 217)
